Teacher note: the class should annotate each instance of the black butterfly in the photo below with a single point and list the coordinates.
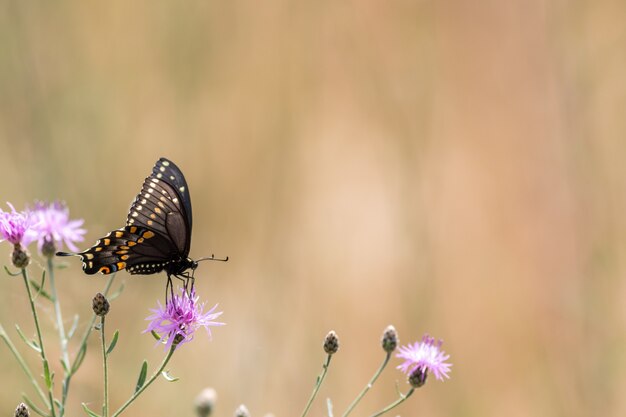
(157, 235)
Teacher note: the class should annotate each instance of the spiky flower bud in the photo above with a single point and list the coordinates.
(242, 411)
(22, 411)
(205, 402)
(48, 248)
(389, 341)
(20, 257)
(178, 338)
(331, 343)
(417, 377)
(100, 305)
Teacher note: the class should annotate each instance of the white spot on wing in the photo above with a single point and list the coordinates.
(182, 189)
(166, 163)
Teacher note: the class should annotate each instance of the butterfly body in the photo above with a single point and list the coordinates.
(157, 235)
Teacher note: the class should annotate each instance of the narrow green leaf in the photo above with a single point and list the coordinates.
(33, 407)
(116, 293)
(168, 377)
(40, 291)
(13, 274)
(142, 376)
(155, 335)
(30, 343)
(73, 328)
(113, 342)
(46, 374)
(79, 358)
(64, 365)
(88, 411)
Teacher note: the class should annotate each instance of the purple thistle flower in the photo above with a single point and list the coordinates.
(15, 226)
(54, 225)
(180, 318)
(426, 355)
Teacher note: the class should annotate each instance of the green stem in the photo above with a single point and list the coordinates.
(318, 384)
(4, 336)
(394, 404)
(368, 386)
(61, 328)
(41, 348)
(105, 406)
(147, 384)
(83, 342)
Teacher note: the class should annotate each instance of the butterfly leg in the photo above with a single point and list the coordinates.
(169, 287)
(187, 278)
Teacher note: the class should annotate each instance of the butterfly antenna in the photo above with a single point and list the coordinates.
(213, 258)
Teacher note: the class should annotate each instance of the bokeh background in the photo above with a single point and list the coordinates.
(450, 167)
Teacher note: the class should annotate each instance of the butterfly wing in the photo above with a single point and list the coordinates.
(136, 249)
(164, 206)
(157, 232)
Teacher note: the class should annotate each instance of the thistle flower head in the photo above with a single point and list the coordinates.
(426, 356)
(331, 343)
(180, 318)
(54, 227)
(242, 411)
(15, 226)
(205, 402)
(100, 305)
(389, 340)
(21, 411)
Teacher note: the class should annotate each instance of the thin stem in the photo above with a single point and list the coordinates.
(105, 406)
(368, 386)
(318, 384)
(4, 336)
(147, 384)
(83, 342)
(57, 310)
(41, 348)
(61, 328)
(394, 404)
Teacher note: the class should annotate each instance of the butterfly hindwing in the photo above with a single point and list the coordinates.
(136, 249)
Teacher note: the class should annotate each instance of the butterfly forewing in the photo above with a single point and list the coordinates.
(167, 171)
(161, 206)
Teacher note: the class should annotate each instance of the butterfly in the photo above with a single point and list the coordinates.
(157, 235)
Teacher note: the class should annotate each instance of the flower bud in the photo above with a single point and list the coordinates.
(417, 377)
(22, 411)
(205, 402)
(179, 337)
(48, 249)
(242, 411)
(331, 343)
(100, 305)
(389, 341)
(20, 257)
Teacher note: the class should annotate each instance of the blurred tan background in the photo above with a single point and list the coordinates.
(449, 167)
